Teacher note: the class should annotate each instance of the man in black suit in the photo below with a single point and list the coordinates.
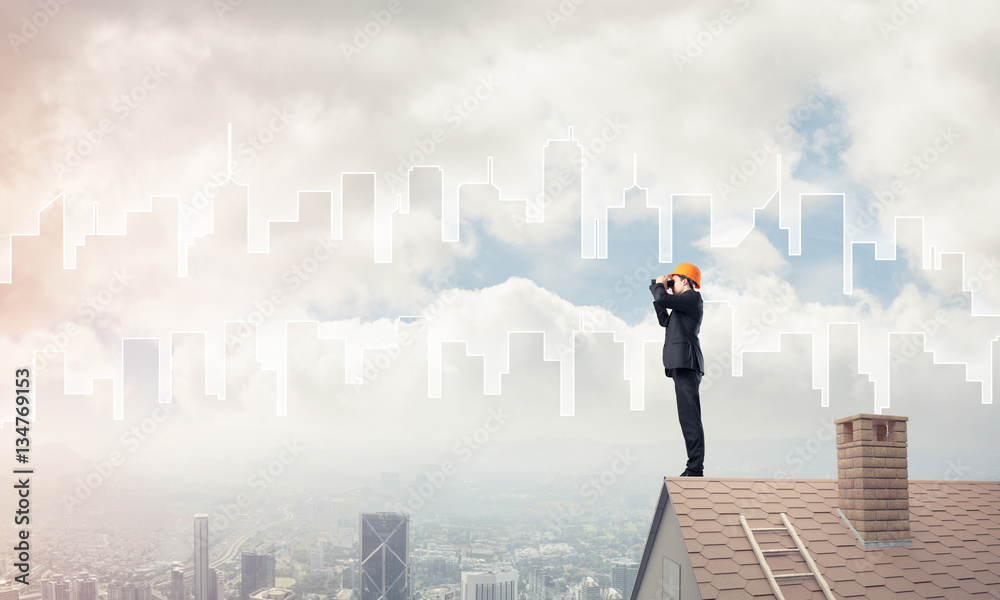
(680, 313)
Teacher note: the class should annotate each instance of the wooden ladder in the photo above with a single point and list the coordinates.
(799, 547)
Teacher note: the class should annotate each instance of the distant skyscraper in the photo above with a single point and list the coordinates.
(213, 584)
(440, 592)
(589, 589)
(273, 594)
(201, 589)
(129, 591)
(85, 587)
(499, 585)
(385, 556)
(348, 579)
(315, 559)
(216, 586)
(177, 582)
(256, 568)
(541, 586)
(437, 566)
(10, 592)
(623, 577)
(57, 588)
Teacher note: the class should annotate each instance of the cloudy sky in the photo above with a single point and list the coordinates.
(210, 203)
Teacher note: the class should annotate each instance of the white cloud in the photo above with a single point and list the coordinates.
(689, 127)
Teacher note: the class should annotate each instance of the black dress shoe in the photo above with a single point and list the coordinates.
(688, 473)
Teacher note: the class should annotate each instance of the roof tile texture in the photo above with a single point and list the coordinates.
(954, 550)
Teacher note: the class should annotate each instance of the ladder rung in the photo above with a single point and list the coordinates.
(773, 579)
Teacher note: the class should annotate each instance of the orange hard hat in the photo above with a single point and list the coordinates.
(690, 271)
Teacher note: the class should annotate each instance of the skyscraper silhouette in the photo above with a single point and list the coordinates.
(129, 590)
(85, 587)
(116, 590)
(623, 576)
(201, 557)
(540, 585)
(491, 585)
(385, 556)
(177, 582)
(216, 585)
(589, 589)
(257, 568)
(10, 592)
(56, 588)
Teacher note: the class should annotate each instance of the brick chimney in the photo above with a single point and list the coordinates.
(873, 484)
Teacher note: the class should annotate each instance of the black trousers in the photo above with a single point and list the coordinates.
(686, 383)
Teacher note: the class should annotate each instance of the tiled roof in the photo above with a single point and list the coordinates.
(955, 549)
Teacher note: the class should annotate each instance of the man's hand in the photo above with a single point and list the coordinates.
(662, 279)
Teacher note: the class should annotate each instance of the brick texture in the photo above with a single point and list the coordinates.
(872, 473)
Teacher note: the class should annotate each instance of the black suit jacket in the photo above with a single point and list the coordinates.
(681, 348)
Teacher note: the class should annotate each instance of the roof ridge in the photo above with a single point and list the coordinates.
(804, 479)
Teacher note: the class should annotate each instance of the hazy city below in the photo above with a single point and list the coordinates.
(571, 529)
